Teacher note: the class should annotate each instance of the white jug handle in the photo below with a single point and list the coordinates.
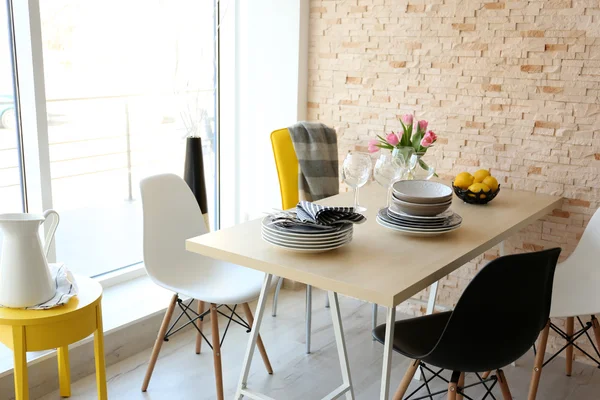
(51, 231)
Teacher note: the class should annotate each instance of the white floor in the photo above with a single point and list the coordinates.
(181, 374)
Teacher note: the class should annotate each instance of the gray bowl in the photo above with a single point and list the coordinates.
(422, 210)
(422, 192)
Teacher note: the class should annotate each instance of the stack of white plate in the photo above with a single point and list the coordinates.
(420, 208)
(306, 238)
(416, 225)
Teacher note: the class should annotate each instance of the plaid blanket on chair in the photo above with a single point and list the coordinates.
(316, 149)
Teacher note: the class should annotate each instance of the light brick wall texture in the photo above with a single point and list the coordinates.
(511, 86)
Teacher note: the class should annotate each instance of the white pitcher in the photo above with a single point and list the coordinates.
(25, 278)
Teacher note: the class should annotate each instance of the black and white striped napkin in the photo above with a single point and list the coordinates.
(323, 215)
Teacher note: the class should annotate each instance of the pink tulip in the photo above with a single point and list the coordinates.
(432, 135)
(373, 142)
(373, 148)
(407, 119)
(426, 141)
(423, 125)
(392, 139)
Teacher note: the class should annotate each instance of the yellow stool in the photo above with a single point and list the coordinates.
(36, 330)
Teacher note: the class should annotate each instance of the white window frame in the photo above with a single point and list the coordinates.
(30, 98)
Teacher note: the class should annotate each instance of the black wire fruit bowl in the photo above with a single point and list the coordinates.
(475, 198)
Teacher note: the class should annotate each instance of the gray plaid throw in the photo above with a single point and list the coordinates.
(316, 148)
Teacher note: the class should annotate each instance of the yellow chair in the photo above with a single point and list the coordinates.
(287, 167)
(287, 171)
(35, 330)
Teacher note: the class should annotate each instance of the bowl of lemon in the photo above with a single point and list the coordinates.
(479, 188)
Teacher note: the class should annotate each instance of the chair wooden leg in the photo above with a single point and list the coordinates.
(539, 362)
(159, 342)
(569, 352)
(461, 384)
(410, 373)
(259, 342)
(199, 325)
(503, 385)
(453, 385)
(596, 326)
(216, 343)
(452, 390)
(486, 374)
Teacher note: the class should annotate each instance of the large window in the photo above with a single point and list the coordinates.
(126, 81)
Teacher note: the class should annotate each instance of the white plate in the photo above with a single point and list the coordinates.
(298, 240)
(302, 242)
(442, 216)
(305, 250)
(266, 224)
(390, 218)
(411, 233)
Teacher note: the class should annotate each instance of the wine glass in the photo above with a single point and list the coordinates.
(386, 172)
(355, 172)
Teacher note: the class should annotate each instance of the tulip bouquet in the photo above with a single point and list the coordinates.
(416, 136)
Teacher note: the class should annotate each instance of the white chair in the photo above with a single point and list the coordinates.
(172, 215)
(576, 293)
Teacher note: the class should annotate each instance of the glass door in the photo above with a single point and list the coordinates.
(123, 89)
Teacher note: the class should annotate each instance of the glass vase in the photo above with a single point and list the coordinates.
(401, 156)
(421, 167)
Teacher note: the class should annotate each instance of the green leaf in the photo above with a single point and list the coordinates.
(416, 140)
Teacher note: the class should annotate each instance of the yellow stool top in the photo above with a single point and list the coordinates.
(90, 294)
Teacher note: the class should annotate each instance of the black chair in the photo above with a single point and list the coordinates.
(496, 321)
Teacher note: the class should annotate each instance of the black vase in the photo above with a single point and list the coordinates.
(194, 171)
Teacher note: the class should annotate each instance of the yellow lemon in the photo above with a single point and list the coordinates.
(463, 180)
(491, 182)
(477, 188)
(480, 175)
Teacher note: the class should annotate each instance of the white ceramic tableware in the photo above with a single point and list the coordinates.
(303, 241)
(419, 209)
(413, 232)
(25, 278)
(422, 192)
(303, 249)
(439, 217)
(268, 225)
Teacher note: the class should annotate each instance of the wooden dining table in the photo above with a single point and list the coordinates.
(379, 266)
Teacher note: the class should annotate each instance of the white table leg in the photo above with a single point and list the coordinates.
(502, 254)
(258, 315)
(344, 389)
(433, 289)
(387, 353)
(341, 345)
(308, 317)
(374, 318)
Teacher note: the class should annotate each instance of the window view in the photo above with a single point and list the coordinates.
(120, 105)
(10, 171)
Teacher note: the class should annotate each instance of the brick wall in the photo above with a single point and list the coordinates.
(511, 86)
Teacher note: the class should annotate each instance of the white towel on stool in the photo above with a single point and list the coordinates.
(66, 287)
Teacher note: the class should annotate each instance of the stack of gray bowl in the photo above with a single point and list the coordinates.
(420, 208)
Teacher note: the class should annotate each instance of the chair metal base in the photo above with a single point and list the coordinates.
(456, 383)
(571, 338)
